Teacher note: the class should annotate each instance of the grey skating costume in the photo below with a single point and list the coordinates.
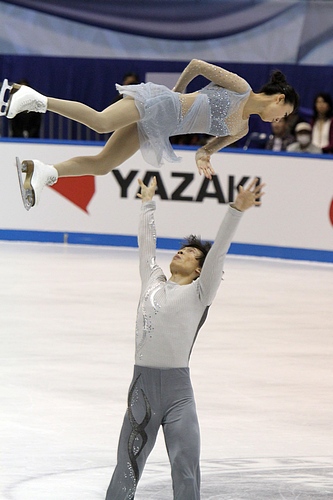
(169, 317)
(217, 111)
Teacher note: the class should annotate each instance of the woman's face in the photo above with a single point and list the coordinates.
(276, 109)
(321, 106)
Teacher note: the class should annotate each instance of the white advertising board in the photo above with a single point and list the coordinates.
(296, 211)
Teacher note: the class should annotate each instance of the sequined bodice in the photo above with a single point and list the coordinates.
(225, 109)
(224, 97)
(216, 111)
(219, 104)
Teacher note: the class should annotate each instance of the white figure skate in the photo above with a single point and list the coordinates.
(21, 99)
(37, 176)
(4, 102)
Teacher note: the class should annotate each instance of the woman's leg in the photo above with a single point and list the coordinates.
(118, 115)
(114, 117)
(122, 145)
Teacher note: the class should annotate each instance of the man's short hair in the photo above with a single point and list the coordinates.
(196, 242)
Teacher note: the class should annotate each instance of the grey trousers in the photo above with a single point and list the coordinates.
(159, 397)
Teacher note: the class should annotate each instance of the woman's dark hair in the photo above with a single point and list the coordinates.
(279, 85)
(196, 242)
(328, 99)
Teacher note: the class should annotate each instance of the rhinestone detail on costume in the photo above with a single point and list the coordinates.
(219, 102)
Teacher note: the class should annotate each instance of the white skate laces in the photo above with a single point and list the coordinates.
(22, 99)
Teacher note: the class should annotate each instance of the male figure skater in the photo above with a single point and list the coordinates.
(170, 314)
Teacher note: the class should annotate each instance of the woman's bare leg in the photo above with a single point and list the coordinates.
(118, 115)
(122, 145)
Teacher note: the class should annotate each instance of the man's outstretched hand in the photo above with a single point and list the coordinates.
(147, 192)
(249, 197)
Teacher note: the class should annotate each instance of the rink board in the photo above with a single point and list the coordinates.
(295, 220)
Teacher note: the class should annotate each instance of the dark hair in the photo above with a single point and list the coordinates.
(279, 85)
(132, 74)
(196, 242)
(328, 99)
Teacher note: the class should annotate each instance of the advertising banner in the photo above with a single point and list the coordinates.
(296, 210)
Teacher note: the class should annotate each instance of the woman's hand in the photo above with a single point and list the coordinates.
(202, 159)
(147, 192)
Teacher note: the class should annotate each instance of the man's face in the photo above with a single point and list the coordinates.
(186, 261)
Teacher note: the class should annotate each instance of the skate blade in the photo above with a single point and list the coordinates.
(4, 104)
(27, 193)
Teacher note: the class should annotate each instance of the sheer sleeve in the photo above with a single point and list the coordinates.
(217, 143)
(215, 74)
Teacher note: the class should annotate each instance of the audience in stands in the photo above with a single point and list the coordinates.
(280, 138)
(130, 78)
(303, 143)
(322, 122)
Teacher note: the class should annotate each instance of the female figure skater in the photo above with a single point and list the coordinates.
(149, 114)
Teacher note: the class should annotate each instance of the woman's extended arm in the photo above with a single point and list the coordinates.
(203, 154)
(215, 74)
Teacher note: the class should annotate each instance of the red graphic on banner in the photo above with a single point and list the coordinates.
(331, 213)
(78, 190)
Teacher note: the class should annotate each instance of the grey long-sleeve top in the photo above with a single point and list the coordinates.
(169, 315)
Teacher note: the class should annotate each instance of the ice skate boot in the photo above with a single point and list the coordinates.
(37, 176)
(4, 102)
(21, 98)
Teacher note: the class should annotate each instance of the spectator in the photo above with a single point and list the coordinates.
(280, 137)
(303, 144)
(292, 120)
(25, 124)
(189, 139)
(322, 123)
(255, 140)
(129, 78)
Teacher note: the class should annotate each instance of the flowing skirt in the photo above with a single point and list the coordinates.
(160, 116)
